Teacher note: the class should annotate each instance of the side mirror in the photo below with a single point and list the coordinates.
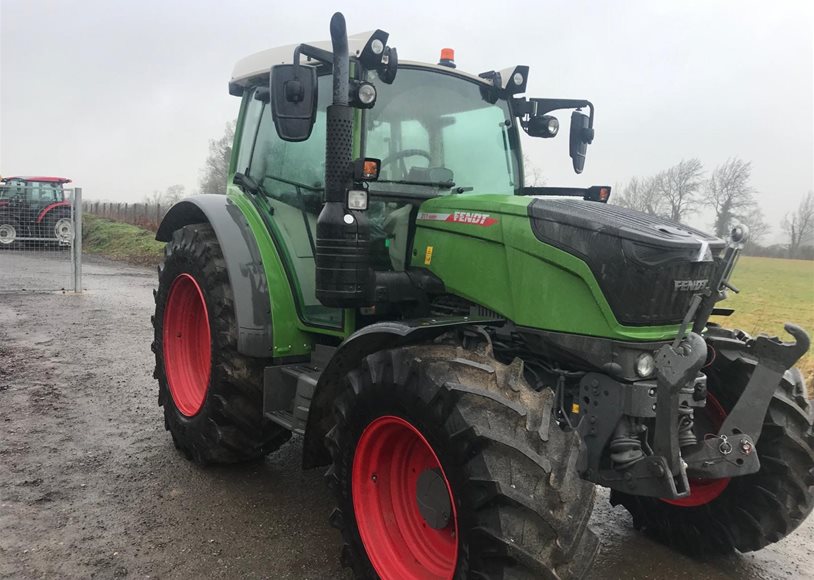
(293, 90)
(581, 136)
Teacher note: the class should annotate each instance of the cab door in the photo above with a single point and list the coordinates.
(290, 175)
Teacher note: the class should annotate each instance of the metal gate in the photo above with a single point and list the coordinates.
(40, 235)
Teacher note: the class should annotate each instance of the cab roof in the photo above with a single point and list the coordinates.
(38, 178)
(254, 68)
(259, 63)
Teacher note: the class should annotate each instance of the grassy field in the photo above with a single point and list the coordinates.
(120, 241)
(773, 292)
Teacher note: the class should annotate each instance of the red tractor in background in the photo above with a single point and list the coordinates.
(35, 209)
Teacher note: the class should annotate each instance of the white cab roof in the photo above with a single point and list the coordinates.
(257, 65)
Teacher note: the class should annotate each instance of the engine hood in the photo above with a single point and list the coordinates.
(648, 267)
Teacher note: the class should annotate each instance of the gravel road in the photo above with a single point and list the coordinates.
(91, 486)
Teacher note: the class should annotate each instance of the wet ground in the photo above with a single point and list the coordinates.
(91, 486)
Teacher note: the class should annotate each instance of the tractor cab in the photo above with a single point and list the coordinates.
(413, 123)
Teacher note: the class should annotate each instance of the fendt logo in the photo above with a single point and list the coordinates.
(460, 217)
(690, 285)
(478, 219)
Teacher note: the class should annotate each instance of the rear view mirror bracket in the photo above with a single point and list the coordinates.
(581, 133)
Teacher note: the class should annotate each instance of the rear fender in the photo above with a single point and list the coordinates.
(349, 355)
(60, 208)
(244, 265)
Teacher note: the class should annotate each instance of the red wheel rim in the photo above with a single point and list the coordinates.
(187, 347)
(703, 491)
(389, 458)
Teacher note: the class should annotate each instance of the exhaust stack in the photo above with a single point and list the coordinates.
(343, 274)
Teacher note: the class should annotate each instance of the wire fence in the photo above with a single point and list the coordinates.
(145, 215)
(40, 235)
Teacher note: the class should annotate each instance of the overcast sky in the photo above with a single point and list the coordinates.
(123, 96)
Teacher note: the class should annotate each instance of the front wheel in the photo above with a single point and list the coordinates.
(446, 464)
(9, 232)
(211, 394)
(749, 512)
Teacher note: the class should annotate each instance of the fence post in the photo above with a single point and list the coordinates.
(76, 247)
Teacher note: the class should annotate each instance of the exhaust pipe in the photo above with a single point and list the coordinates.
(343, 274)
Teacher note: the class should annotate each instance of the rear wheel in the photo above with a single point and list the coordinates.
(211, 394)
(743, 513)
(60, 228)
(446, 464)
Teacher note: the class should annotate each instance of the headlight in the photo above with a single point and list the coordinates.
(357, 199)
(645, 365)
(552, 125)
(367, 93)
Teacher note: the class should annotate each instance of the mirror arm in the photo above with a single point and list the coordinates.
(296, 62)
(536, 107)
(323, 56)
(543, 106)
(522, 107)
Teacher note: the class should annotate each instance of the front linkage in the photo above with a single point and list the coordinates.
(616, 414)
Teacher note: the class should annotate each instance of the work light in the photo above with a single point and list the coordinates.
(645, 365)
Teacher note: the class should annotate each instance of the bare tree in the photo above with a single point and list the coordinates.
(643, 194)
(169, 196)
(757, 226)
(799, 225)
(533, 175)
(728, 193)
(216, 170)
(679, 186)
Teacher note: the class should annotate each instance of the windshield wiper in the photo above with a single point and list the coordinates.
(442, 184)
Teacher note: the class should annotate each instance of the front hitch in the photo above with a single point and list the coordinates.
(676, 367)
(732, 452)
(661, 473)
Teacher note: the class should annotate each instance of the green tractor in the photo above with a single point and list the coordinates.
(469, 357)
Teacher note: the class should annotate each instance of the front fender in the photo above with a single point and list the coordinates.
(244, 265)
(349, 355)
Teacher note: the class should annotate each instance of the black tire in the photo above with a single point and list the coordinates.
(754, 510)
(49, 230)
(7, 224)
(522, 508)
(229, 426)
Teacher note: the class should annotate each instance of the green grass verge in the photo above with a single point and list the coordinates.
(120, 241)
(772, 292)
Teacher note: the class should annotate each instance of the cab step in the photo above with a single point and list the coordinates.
(288, 389)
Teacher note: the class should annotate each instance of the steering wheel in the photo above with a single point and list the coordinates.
(403, 154)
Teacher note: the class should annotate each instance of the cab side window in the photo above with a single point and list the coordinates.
(290, 175)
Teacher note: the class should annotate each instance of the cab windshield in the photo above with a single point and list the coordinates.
(435, 133)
